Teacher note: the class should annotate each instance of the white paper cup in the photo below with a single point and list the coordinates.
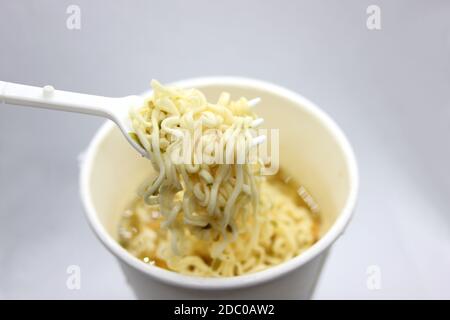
(312, 149)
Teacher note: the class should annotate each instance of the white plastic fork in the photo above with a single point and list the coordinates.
(115, 109)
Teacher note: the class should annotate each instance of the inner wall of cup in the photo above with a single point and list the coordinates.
(309, 153)
(117, 172)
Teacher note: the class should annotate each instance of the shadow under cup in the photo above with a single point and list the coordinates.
(312, 150)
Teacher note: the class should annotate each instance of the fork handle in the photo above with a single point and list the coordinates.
(49, 98)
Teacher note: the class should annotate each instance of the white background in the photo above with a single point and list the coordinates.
(389, 90)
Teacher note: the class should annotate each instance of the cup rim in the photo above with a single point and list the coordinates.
(242, 281)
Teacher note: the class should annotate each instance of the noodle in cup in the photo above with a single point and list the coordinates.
(313, 150)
